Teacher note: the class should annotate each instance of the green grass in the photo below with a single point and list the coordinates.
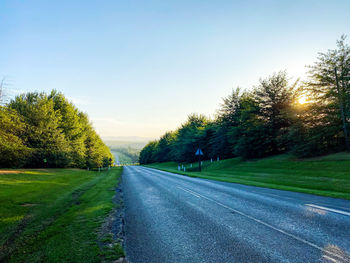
(327, 176)
(54, 215)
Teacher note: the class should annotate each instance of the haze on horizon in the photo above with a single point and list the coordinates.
(138, 68)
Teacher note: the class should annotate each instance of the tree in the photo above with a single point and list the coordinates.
(163, 152)
(229, 108)
(43, 133)
(275, 98)
(228, 117)
(72, 126)
(269, 120)
(13, 149)
(97, 154)
(248, 137)
(329, 86)
(190, 137)
(147, 153)
(48, 130)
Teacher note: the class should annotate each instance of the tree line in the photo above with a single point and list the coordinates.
(304, 119)
(46, 130)
(129, 152)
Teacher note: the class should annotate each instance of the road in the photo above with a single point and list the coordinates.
(174, 218)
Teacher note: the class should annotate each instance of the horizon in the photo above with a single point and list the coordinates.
(175, 131)
(149, 65)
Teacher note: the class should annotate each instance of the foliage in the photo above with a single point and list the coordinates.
(326, 123)
(189, 137)
(13, 151)
(269, 120)
(147, 154)
(40, 130)
(248, 124)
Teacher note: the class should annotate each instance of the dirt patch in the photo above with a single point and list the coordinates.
(112, 234)
(8, 246)
(28, 204)
(9, 172)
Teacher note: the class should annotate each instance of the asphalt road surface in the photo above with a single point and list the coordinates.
(177, 219)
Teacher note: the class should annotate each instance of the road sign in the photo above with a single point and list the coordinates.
(199, 152)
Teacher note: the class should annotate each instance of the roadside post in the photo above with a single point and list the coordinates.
(199, 153)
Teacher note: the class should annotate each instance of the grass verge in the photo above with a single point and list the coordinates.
(53, 215)
(327, 176)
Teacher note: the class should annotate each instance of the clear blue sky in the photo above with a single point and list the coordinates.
(138, 68)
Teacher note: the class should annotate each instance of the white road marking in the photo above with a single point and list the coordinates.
(331, 259)
(329, 209)
(264, 223)
(189, 192)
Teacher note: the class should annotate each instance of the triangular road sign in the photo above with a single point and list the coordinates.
(199, 152)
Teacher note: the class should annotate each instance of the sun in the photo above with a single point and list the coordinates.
(303, 99)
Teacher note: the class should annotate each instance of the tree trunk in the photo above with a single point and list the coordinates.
(341, 106)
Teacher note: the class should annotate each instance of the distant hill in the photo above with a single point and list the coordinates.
(127, 149)
(125, 144)
(128, 138)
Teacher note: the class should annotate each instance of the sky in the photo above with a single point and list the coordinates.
(139, 68)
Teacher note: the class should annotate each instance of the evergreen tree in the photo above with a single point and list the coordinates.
(329, 87)
(275, 99)
(13, 149)
(45, 138)
(39, 130)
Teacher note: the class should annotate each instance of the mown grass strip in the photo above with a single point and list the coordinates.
(326, 176)
(54, 215)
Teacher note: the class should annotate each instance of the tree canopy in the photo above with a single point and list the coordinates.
(46, 130)
(269, 118)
